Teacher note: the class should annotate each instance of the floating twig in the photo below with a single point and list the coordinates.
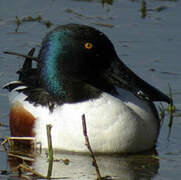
(105, 25)
(21, 167)
(87, 143)
(22, 55)
(49, 139)
(50, 151)
(24, 158)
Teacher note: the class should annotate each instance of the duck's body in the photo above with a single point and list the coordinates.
(127, 125)
(120, 115)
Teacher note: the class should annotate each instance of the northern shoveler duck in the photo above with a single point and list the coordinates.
(78, 72)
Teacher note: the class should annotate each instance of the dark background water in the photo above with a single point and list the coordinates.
(150, 46)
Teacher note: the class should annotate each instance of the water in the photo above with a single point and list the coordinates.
(150, 46)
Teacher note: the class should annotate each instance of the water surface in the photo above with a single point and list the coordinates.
(150, 46)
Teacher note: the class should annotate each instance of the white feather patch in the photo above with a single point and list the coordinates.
(114, 125)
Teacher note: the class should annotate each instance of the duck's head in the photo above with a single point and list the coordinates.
(78, 62)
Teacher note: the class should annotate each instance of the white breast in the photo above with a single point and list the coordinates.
(114, 126)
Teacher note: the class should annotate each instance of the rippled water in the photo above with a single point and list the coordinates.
(150, 46)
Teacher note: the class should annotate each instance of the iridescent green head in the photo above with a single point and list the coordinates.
(78, 62)
(72, 60)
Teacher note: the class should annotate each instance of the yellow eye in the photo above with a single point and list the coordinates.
(88, 45)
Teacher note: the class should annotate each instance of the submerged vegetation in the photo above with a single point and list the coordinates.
(20, 21)
(144, 9)
(170, 109)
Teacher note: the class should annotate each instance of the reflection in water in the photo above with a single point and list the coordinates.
(76, 166)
